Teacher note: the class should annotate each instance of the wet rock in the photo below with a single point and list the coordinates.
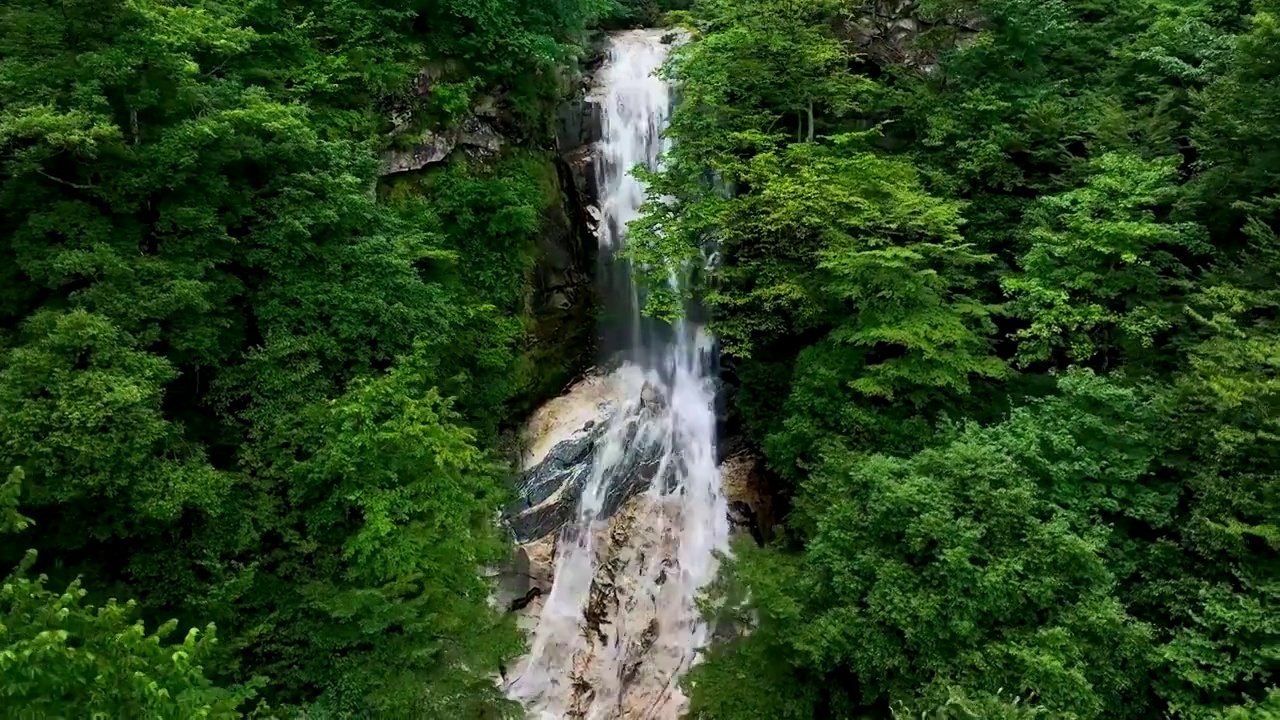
(566, 465)
(745, 488)
(523, 601)
(581, 165)
(548, 495)
(666, 565)
(586, 404)
(578, 122)
(593, 217)
(563, 438)
(649, 395)
(517, 578)
(636, 473)
(530, 522)
(637, 651)
(560, 300)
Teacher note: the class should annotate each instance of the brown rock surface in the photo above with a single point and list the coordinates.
(742, 479)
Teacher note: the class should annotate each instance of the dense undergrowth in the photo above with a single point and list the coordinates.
(1003, 313)
(242, 388)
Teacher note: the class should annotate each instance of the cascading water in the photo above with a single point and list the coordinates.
(620, 624)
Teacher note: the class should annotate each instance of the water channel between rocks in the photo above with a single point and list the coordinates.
(621, 505)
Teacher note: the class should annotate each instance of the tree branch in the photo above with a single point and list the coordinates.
(68, 183)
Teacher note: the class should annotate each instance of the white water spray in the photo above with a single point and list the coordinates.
(620, 624)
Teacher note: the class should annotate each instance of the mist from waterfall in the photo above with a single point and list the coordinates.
(620, 624)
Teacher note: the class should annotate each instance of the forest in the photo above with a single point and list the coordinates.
(1002, 309)
(998, 294)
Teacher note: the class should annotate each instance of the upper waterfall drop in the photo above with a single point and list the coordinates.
(620, 624)
(635, 106)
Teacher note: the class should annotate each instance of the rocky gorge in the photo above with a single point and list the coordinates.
(630, 480)
(620, 506)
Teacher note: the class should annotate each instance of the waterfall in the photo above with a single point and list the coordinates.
(619, 625)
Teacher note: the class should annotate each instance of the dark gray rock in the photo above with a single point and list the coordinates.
(579, 122)
(568, 463)
(544, 520)
(636, 472)
(548, 495)
(474, 134)
(903, 34)
(480, 135)
(581, 167)
(430, 149)
(560, 300)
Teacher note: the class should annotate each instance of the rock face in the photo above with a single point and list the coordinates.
(742, 478)
(560, 300)
(579, 130)
(475, 134)
(625, 624)
(563, 439)
(560, 297)
(563, 292)
(895, 32)
(625, 599)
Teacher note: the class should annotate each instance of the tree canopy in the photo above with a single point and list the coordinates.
(996, 284)
(245, 384)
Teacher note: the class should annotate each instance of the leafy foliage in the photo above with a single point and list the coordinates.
(62, 658)
(973, 564)
(1002, 317)
(247, 386)
(1100, 265)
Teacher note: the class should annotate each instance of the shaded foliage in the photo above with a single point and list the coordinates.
(1002, 317)
(245, 386)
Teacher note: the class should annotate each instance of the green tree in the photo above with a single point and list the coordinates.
(81, 409)
(1069, 185)
(1214, 601)
(759, 75)
(845, 246)
(375, 601)
(975, 565)
(1100, 278)
(62, 658)
(201, 282)
(1236, 131)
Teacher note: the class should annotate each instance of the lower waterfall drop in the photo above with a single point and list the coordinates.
(620, 624)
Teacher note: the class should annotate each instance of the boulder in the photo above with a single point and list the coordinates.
(563, 438)
(435, 146)
(649, 396)
(431, 148)
(478, 134)
(548, 494)
(579, 122)
(896, 32)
